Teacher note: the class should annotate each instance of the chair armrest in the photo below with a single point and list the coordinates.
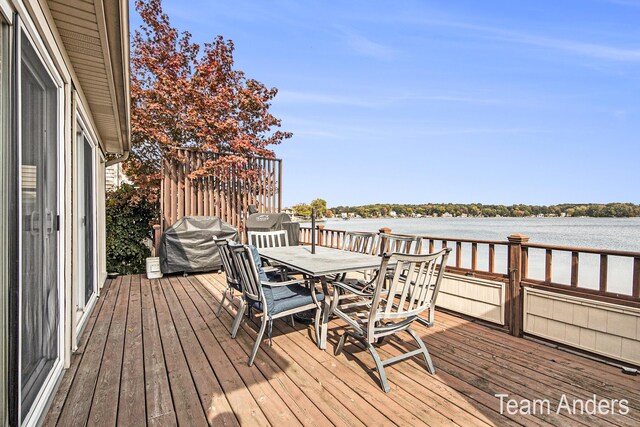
(351, 289)
(270, 269)
(288, 282)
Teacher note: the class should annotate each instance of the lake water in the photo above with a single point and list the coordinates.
(599, 233)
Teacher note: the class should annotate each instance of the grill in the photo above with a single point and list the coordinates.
(188, 246)
(275, 222)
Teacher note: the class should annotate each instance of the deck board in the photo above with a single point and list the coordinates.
(78, 401)
(159, 403)
(57, 404)
(254, 400)
(154, 353)
(186, 398)
(297, 402)
(131, 406)
(104, 408)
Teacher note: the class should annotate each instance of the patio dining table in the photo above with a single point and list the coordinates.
(325, 261)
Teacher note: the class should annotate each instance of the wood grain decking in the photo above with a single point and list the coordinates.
(154, 353)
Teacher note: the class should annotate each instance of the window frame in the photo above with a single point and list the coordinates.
(81, 124)
(6, 219)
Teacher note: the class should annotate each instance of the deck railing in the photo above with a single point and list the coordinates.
(576, 282)
(510, 260)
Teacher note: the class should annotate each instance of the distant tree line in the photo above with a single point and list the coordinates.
(304, 210)
(610, 210)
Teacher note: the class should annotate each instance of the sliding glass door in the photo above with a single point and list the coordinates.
(39, 287)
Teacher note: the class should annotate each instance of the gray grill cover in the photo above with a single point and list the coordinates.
(187, 246)
(275, 222)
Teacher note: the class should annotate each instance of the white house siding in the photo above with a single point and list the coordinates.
(607, 329)
(84, 46)
(479, 298)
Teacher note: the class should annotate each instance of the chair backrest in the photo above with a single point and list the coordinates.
(268, 239)
(356, 241)
(413, 287)
(230, 270)
(248, 272)
(392, 243)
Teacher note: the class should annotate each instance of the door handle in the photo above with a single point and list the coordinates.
(49, 218)
(34, 223)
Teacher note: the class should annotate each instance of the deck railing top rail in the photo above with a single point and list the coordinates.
(612, 252)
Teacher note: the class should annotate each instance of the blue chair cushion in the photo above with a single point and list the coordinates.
(272, 276)
(283, 298)
(258, 261)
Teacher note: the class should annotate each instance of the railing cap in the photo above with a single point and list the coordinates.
(518, 238)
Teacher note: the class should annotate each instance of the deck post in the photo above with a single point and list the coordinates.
(157, 232)
(320, 235)
(514, 291)
(383, 242)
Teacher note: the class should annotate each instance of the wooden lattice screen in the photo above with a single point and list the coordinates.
(224, 195)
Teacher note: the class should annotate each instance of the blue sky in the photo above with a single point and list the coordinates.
(495, 102)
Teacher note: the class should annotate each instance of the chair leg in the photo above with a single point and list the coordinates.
(293, 322)
(379, 366)
(317, 325)
(425, 352)
(238, 319)
(325, 325)
(256, 346)
(224, 297)
(343, 339)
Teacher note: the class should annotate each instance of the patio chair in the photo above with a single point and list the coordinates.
(394, 304)
(229, 267)
(356, 241)
(268, 239)
(388, 243)
(273, 299)
(233, 276)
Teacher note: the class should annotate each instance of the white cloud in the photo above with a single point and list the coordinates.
(459, 99)
(588, 49)
(475, 131)
(297, 97)
(366, 47)
(594, 50)
(302, 97)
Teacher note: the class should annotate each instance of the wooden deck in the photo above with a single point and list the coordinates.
(155, 353)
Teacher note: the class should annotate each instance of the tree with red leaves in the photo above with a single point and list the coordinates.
(182, 97)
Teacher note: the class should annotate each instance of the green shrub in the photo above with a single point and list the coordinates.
(129, 216)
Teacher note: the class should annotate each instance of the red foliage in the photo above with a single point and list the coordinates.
(184, 98)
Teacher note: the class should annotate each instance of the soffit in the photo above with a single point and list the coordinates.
(95, 34)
